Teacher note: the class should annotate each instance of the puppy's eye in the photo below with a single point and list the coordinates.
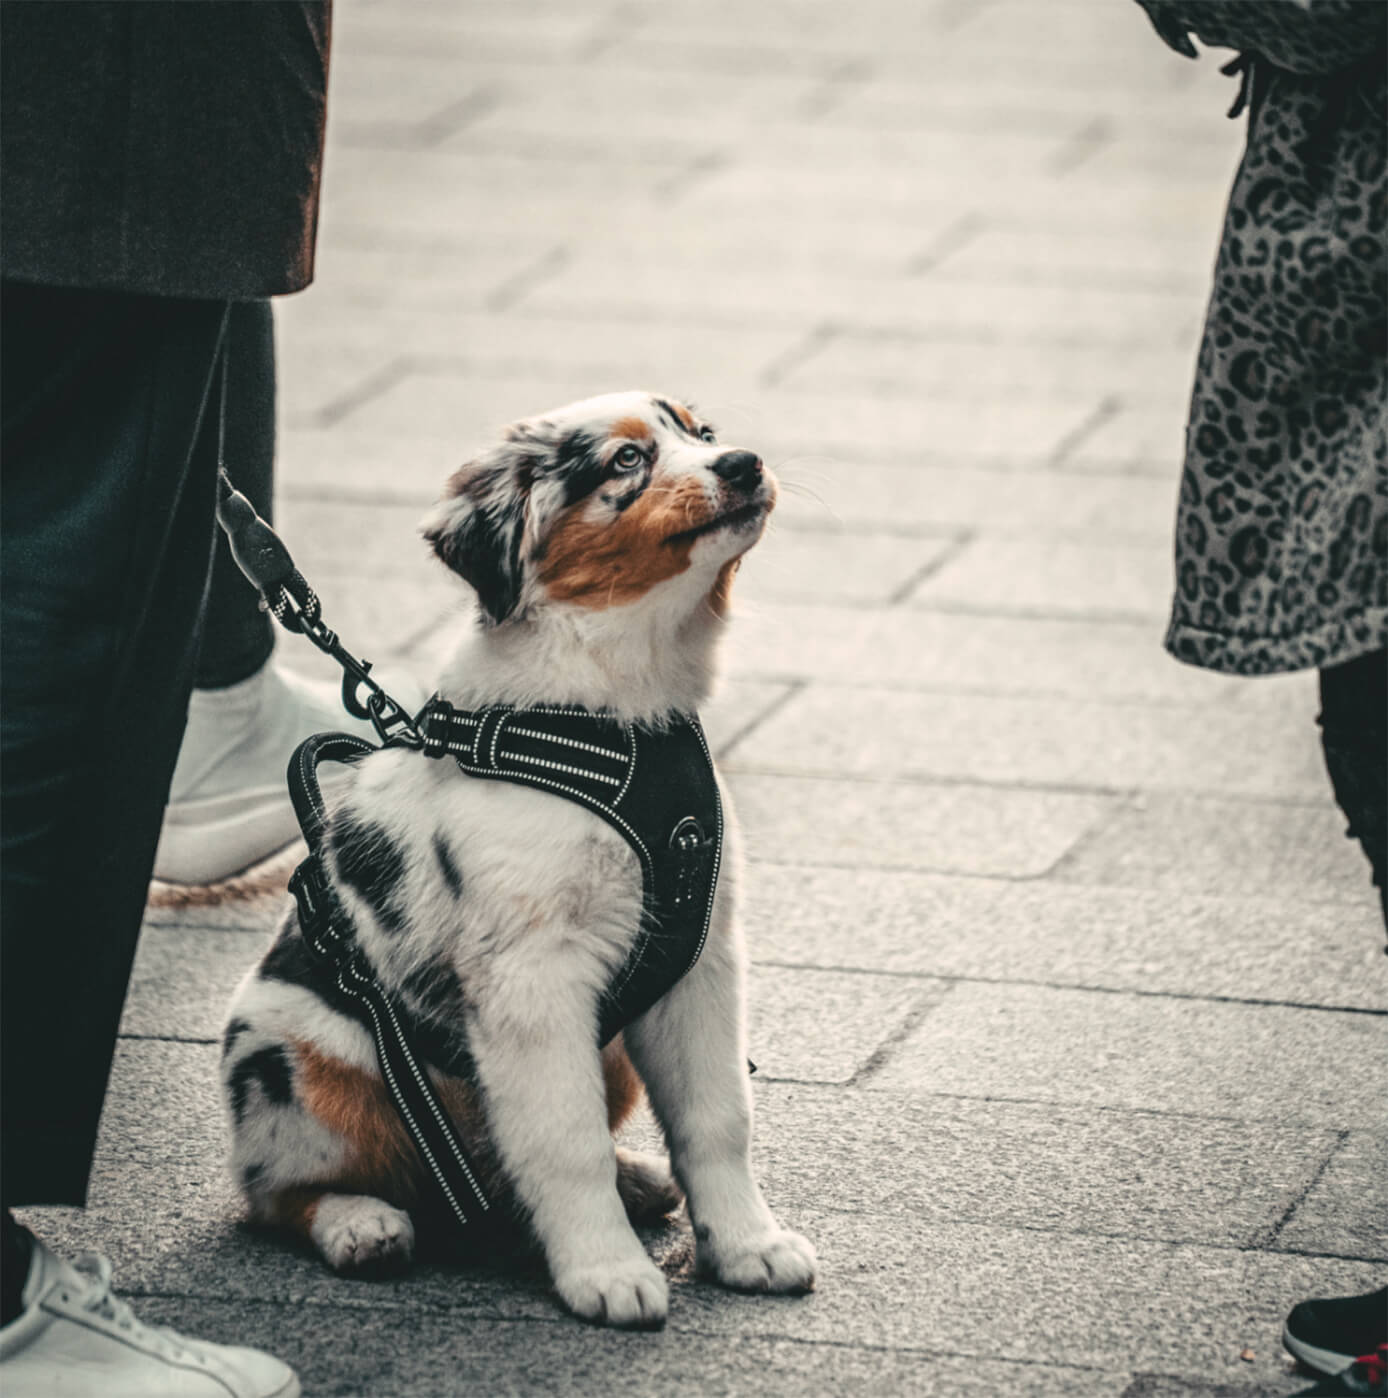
(629, 459)
(708, 434)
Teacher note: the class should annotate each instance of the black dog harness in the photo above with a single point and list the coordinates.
(655, 787)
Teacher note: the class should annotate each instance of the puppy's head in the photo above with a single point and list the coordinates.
(599, 504)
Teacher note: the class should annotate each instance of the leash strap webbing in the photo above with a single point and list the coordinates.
(326, 931)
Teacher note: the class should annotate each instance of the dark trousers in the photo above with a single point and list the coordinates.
(237, 635)
(109, 457)
(1354, 736)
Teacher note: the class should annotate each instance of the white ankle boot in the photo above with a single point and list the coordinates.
(74, 1338)
(229, 803)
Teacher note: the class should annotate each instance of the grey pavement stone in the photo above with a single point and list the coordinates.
(822, 489)
(882, 824)
(910, 649)
(1344, 1212)
(1005, 930)
(1053, 578)
(836, 565)
(916, 365)
(1204, 844)
(1234, 750)
(1070, 1169)
(825, 1027)
(363, 1351)
(738, 704)
(891, 1280)
(183, 980)
(1148, 1053)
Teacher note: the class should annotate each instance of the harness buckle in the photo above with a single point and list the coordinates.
(433, 725)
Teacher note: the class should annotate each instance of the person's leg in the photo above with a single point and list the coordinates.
(109, 484)
(1354, 736)
(109, 480)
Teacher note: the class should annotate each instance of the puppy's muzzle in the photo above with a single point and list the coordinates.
(742, 469)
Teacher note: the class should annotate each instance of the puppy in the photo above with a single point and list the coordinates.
(601, 541)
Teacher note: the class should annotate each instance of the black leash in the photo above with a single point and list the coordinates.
(262, 557)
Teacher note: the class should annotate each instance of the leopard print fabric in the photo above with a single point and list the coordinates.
(1282, 530)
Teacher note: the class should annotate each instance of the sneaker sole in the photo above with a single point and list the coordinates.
(1323, 1361)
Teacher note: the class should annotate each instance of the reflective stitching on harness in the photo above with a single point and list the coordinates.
(445, 1126)
(631, 764)
(717, 848)
(569, 743)
(559, 767)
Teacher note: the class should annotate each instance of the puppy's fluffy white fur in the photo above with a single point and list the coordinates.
(601, 540)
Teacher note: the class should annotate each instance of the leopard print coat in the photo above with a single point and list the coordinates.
(1282, 530)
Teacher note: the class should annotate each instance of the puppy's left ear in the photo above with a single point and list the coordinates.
(477, 529)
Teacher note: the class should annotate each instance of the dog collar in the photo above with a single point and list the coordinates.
(655, 786)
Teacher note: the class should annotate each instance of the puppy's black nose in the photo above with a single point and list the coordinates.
(739, 468)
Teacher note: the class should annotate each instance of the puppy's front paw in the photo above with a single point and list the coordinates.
(780, 1261)
(363, 1236)
(632, 1294)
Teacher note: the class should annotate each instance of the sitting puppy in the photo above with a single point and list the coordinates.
(601, 540)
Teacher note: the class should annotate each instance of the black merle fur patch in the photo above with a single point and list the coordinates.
(290, 960)
(578, 463)
(483, 544)
(668, 412)
(447, 867)
(371, 864)
(251, 1176)
(266, 1068)
(437, 1011)
(235, 1028)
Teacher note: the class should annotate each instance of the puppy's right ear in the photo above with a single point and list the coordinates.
(477, 528)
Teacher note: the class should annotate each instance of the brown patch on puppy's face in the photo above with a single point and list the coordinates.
(602, 564)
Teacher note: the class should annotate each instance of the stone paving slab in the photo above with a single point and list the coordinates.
(1007, 502)
(1344, 1212)
(1238, 849)
(837, 566)
(1229, 749)
(890, 366)
(1155, 941)
(826, 1027)
(364, 1351)
(1049, 578)
(900, 825)
(910, 649)
(1139, 1052)
(1031, 1296)
(1141, 1175)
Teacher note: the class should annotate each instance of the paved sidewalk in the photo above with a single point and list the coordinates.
(1067, 990)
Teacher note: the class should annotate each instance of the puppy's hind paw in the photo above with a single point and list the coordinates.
(781, 1262)
(631, 1294)
(647, 1187)
(362, 1236)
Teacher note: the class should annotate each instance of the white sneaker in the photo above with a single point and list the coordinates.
(74, 1339)
(229, 803)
